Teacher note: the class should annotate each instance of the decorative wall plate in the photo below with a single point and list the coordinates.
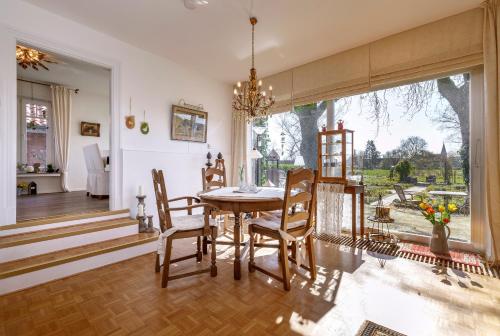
(144, 128)
(130, 121)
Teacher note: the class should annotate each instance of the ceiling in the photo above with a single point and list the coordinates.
(72, 73)
(215, 39)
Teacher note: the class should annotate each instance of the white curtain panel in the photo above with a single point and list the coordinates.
(61, 111)
(239, 149)
(491, 43)
(330, 207)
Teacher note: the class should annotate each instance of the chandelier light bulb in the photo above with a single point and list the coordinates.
(264, 93)
(260, 82)
(235, 92)
(270, 88)
(238, 84)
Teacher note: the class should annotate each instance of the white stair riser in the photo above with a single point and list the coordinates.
(31, 279)
(52, 245)
(63, 224)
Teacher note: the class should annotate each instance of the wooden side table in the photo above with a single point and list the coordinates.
(355, 190)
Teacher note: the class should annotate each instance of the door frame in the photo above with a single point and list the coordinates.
(8, 119)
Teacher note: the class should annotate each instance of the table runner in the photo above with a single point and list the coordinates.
(264, 193)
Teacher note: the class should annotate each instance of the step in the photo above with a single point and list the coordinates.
(23, 245)
(61, 221)
(25, 273)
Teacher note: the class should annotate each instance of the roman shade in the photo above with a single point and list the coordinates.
(343, 74)
(282, 90)
(443, 47)
(449, 45)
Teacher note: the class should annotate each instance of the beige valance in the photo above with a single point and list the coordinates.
(439, 48)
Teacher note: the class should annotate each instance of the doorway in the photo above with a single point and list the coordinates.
(63, 135)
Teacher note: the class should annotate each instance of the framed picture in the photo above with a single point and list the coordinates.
(90, 129)
(188, 124)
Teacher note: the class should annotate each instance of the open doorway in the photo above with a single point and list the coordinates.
(63, 135)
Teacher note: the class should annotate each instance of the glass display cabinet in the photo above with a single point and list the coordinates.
(336, 156)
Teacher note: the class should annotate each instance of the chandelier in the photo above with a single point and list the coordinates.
(249, 99)
(28, 57)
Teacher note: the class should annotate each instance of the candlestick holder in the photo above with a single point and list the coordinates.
(141, 213)
(150, 228)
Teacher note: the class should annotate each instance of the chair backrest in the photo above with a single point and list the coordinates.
(161, 200)
(300, 197)
(93, 159)
(400, 192)
(214, 178)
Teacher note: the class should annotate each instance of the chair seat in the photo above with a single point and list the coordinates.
(191, 222)
(272, 222)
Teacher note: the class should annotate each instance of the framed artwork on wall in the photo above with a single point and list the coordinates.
(188, 124)
(90, 129)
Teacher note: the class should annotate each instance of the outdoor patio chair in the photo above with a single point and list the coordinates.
(404, 200)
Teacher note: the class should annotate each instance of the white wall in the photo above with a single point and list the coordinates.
(155, 83)
(88, 107)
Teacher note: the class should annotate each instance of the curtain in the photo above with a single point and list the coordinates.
(330, 207)
(239, 150)
(492, 119)
(61, 111)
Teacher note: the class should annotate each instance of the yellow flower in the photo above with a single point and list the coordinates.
(441, 208)
(452, 207)
(423, 206)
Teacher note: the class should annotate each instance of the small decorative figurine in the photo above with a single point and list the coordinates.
(150, 224)
(209, 157)
(340, 124)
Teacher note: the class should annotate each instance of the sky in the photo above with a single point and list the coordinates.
(389, 136)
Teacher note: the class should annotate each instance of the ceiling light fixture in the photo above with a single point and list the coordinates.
(249, 101)
(32, 58)
(193, 4)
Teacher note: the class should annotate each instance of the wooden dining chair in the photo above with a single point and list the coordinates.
(215, 178)
(294, 225)
(178, 227)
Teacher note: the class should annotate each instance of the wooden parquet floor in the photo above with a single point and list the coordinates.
(352, 286)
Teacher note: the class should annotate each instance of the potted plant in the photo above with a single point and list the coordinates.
(440, 217)
(50, 168)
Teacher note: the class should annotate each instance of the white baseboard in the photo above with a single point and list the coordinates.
(31, 279)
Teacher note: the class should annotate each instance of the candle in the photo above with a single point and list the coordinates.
(140, 209)
(140, 191)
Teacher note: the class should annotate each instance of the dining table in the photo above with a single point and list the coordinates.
(231, 199)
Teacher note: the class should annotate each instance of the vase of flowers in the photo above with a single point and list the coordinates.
(440, 217)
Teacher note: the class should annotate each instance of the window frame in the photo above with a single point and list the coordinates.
(23, 134)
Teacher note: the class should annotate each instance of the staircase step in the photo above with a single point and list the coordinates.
(61, 221)
(24, 273)
(61, 232)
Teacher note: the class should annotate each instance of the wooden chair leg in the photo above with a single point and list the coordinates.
(157, 263)
(205, 243)
(251, 261)
(311, 255)
(213, 267)
(166, 263)
(285, 271)
(294, 250)
(199, 256)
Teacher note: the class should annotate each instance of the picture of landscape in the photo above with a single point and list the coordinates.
(189, 124)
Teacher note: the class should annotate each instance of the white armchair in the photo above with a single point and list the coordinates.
(97, 177)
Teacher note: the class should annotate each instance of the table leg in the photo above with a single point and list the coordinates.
(362, 214)
(353, 206)
(237, 256)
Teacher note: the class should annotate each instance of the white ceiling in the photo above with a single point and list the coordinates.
(215, 39)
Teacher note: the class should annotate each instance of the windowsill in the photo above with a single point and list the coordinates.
(31, 175)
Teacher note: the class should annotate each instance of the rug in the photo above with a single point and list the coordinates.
(471, 263)
(466, 258)
(370, 328)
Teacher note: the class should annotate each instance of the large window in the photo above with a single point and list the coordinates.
(36, 139)
(415, 137)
